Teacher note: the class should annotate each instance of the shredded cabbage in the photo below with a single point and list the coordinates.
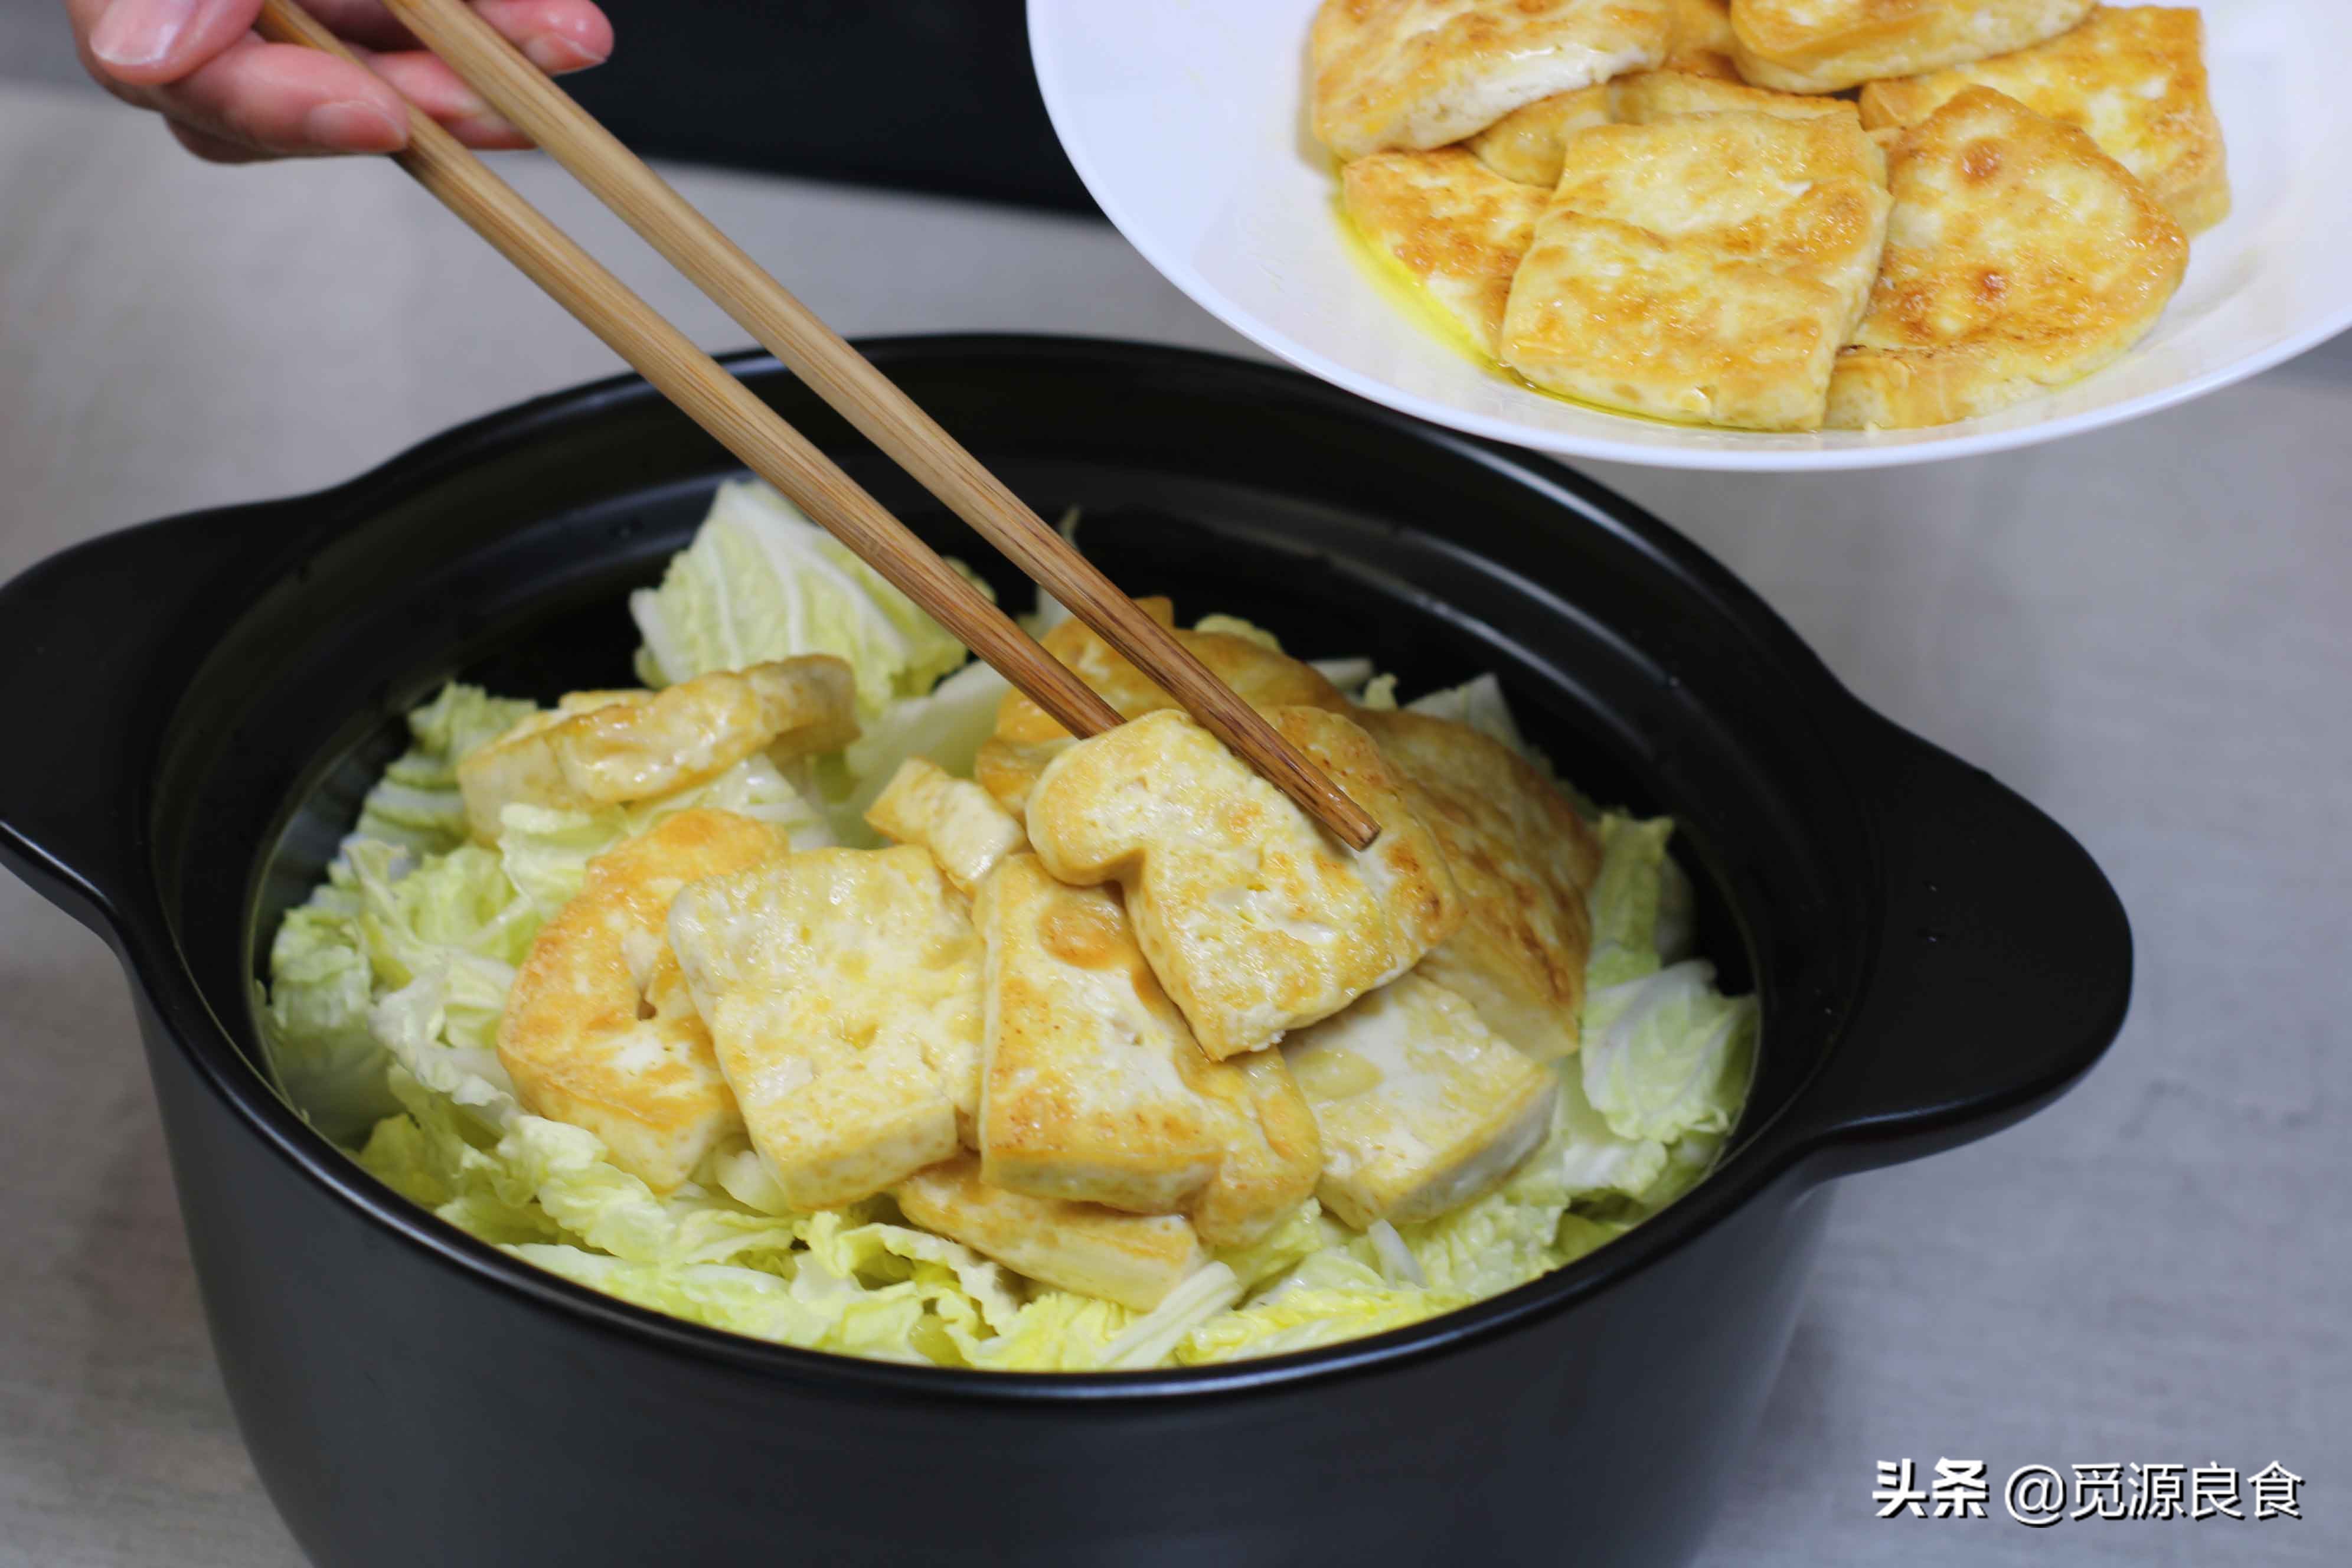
(385, 990)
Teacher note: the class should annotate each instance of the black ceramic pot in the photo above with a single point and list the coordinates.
(1936, 958)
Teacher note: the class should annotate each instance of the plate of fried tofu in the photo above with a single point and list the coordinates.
(1732, 234)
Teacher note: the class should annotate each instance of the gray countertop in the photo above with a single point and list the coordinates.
(2145, 631)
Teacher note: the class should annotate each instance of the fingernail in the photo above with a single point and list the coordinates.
(140, 32)
(353, 125)
(554, 52)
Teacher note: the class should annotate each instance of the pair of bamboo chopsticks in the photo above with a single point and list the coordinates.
(820, 357)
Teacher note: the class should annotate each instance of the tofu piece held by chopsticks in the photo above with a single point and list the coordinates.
(842, 988)
(1095, 1090)
(598, 1029)
(1254, 918)
(1028, 737)
(1421, 1107)
(1133, 1259)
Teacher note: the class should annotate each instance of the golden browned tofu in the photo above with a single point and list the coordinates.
(1821, 46)
(842, 988)
(1271, 1152)
(600, 748)
(1417, 74)
(1701, 43)
(1421, 1107)
(1455, 225)
(1661, 95)
(1524, 863)
(1027, 738)
(1704, 269)
(598, 1029)
(2020, 258)
(1529, 144)
(1095, 1089)
(959, 822)
(1133, 1259)
(1254, 918)
(1526, 145)
(2132, 76)
(1084, 1093)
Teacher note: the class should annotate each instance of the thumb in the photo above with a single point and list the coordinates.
(144, 43)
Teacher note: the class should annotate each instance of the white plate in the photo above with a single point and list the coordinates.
(1187, 120)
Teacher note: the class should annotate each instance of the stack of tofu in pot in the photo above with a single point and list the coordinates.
(1103, 1010)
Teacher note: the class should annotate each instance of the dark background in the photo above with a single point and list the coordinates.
(927, 95)
(932, 95)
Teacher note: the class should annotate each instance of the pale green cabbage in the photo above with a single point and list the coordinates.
(416, 805)
(1665, 1055)
(762, 582)
(545, 851)
(947, 727)
(386, 988)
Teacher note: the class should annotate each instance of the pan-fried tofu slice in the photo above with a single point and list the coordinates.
(1821, 46)
(600, 748)
(959, 822)
(1028, 737)
(1083, 1093)
(1133, 1259)
(1525, 863)
(1422, 1108)
(1703, 270)
(1255, 919)
(1661, 95)
(843, 992)
(598, 1029)
(1526, 145)
(2132, 76)
(1702, 44)
(2020, 258)
(1418, 74)
(1272, 1153)
(1455, 225)
(1095, 1089)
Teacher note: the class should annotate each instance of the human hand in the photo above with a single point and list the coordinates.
(232, 98)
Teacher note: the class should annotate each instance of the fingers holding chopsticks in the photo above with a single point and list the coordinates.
(231, 98)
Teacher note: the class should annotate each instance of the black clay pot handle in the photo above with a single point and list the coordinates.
(97, 645)
(2003, 968)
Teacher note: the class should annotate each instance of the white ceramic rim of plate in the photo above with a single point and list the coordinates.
(1680, 446)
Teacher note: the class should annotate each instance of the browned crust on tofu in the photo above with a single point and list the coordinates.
(2098, 77)
(2020, 258)
(1703, 268)
(1452, 223)
(1524, 145)
(1821, 45)
(1028, 737)
(1419, 74)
